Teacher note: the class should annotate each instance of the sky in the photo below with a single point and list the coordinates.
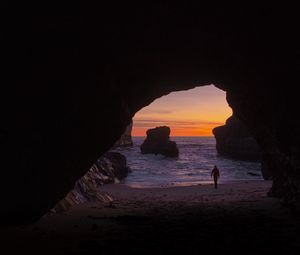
(193, 112)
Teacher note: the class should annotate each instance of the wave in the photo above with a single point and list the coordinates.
(197, 156)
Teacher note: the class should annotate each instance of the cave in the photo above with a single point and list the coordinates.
(72, 83)
(190, 118)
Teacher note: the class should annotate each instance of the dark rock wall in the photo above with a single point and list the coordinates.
(109, 168)
(67, 74)
(270, 115)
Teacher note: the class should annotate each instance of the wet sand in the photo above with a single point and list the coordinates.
(237, 218)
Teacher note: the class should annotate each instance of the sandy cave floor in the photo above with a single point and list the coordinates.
(237, 218)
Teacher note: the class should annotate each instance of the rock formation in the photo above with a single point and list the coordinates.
(109, 168)
(65, 77)
(235, 141)
(125, 139)
(158, 142)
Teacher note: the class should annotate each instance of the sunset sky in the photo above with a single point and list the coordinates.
(188, 113)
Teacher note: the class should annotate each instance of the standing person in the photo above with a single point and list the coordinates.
(216, 174)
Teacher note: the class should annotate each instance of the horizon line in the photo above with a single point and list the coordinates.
(178, 136)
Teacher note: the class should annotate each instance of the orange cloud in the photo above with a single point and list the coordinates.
(178, 128)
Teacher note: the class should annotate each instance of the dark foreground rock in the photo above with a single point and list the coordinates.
(157, 142)
(109, 168)
(235, 141)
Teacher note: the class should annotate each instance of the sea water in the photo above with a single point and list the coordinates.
(197, 156)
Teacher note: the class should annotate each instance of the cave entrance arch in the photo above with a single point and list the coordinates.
(191, 116)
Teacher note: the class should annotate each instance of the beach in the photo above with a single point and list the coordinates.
(236, 218)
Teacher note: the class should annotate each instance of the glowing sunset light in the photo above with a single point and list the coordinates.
(188, 113)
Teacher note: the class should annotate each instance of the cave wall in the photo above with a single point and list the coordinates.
(109, 168)
(271, 116)
(126, 139)
(72, 81)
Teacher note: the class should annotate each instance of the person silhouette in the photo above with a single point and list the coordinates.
(216, 174)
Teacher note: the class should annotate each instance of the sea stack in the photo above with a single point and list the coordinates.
(235, 141)
(158, 142)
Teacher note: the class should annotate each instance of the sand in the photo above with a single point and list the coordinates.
(237, 218)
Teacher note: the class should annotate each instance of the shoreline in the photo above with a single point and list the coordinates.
(236, 193)
(188, 184)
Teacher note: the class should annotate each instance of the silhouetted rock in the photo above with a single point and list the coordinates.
(235, 141)
(125, 139)
(157, 142)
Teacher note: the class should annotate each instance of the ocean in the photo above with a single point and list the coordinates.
(197, 156)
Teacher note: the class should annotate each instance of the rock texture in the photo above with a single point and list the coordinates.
(235, 141)
(73, 82)
(109, 168)
(125, 139)
(158, 142)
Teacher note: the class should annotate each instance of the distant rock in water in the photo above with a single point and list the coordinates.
(158, 142)
(125, 139)
(109, 168)
(235, 141)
